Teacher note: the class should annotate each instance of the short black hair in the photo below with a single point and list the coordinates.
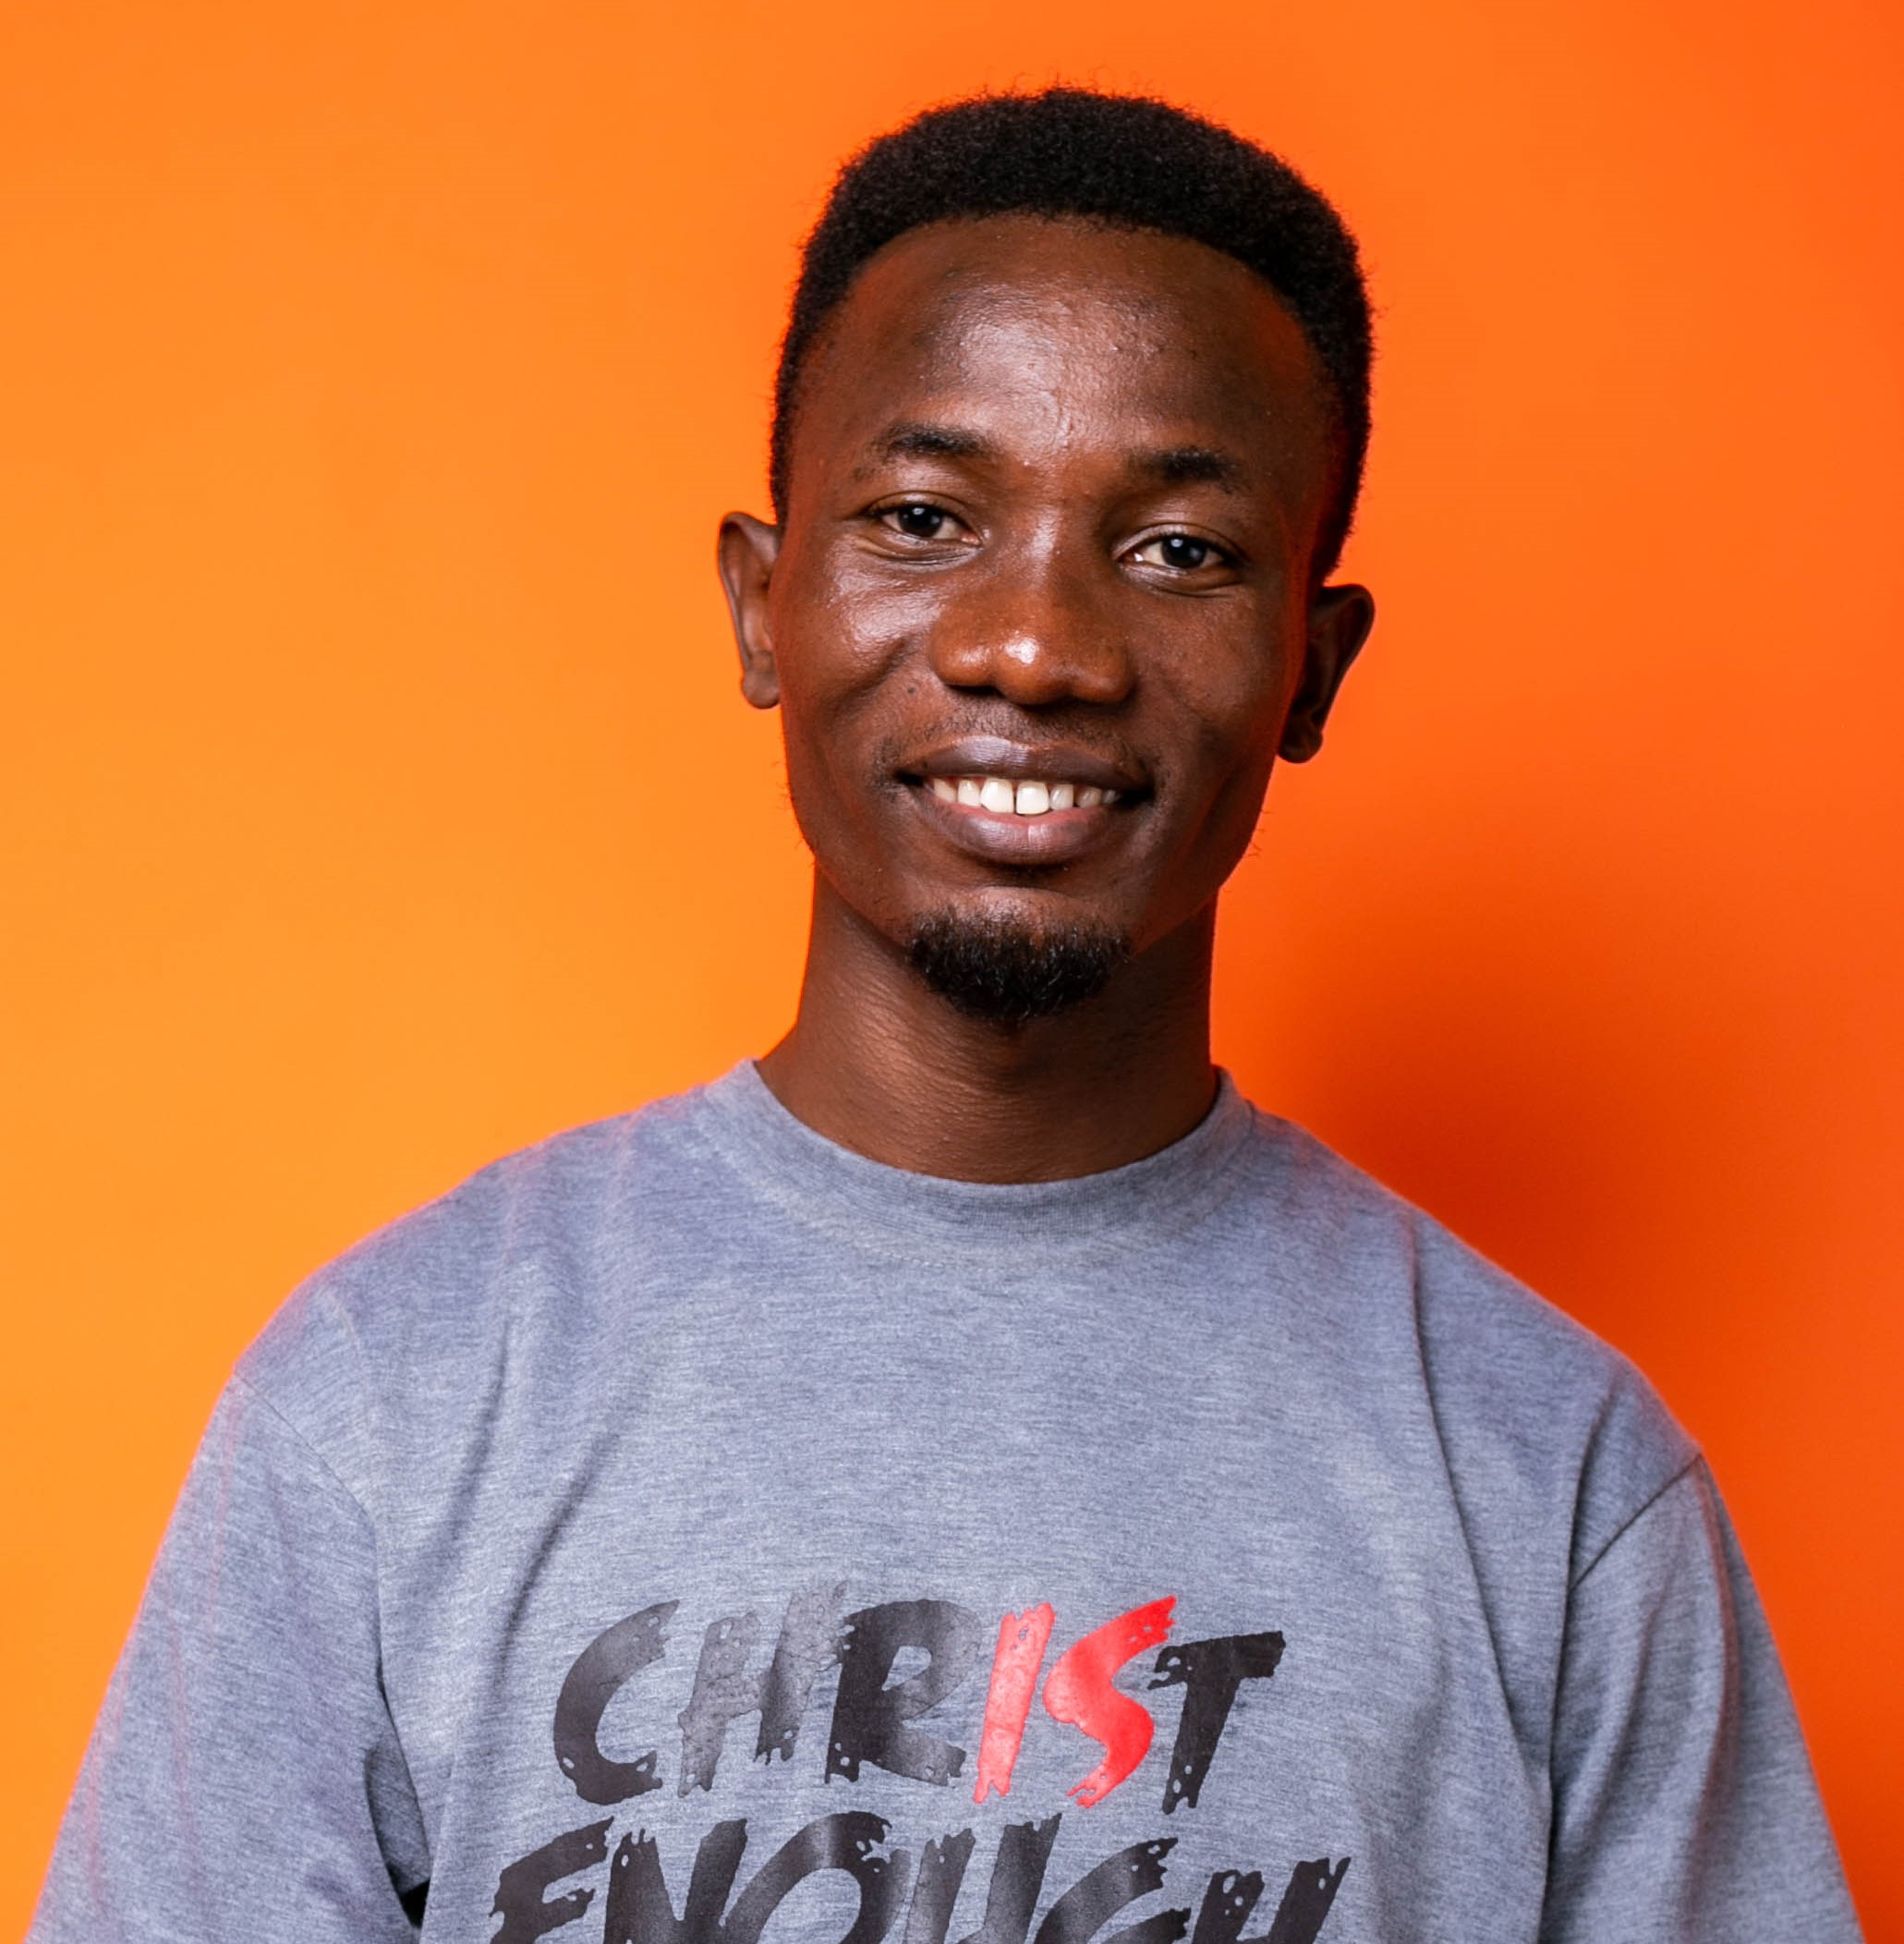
(1118, 159)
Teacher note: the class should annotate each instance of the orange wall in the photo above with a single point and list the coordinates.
(375, 799)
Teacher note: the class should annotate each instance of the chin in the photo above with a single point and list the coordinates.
(1010, 967)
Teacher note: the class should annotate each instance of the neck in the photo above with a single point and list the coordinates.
(881, 1064)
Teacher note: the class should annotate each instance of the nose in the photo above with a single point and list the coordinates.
(1037, 633)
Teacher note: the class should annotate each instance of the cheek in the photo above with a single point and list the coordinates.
(1232, 697)
(837, 631)
(835, 650)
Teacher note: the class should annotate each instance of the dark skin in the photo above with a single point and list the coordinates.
(1054, 503)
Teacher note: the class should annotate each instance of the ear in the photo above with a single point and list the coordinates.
(1339, 619)
(748, 550)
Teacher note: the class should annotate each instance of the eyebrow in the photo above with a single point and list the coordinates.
(1189, 466)
(913, 440)
(1169, 464)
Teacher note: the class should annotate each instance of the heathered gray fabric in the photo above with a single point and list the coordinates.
(1499, 1672)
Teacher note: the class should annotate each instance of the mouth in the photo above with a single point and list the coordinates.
(1016, 803)
(1027, 798)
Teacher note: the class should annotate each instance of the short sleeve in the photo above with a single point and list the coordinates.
(1685, 1809)
(244, 1783)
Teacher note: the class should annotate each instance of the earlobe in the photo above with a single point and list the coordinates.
(1340, 621)
(748, 548)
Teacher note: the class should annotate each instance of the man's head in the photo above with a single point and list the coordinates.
(1069, 421)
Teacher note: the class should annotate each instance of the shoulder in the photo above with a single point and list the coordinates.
(1537, 1417)
(407, 1327)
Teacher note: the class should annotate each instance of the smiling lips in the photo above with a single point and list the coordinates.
(1026, 798)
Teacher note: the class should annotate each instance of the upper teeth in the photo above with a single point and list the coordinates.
(1023, 799)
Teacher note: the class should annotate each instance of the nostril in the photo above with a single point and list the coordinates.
(1034, 666)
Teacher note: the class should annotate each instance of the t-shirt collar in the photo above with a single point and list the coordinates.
(890, 1210)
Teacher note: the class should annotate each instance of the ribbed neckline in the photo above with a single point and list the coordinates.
(890, 1211)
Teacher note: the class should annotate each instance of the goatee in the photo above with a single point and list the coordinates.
(1009, 973)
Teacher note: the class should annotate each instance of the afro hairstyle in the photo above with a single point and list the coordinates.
(1123, 160)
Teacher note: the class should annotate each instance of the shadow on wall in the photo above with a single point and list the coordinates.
(1511, 1060)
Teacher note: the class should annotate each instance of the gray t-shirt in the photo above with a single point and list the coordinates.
(688, 1531)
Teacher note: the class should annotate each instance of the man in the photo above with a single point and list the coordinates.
(971, 1477)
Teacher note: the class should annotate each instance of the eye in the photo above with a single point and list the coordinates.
(1180, 553)
(919, 520)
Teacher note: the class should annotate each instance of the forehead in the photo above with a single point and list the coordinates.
(1069, 331)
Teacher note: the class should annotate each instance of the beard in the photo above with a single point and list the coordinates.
(1009, 973)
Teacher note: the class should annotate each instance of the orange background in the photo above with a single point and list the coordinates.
(375, 796)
